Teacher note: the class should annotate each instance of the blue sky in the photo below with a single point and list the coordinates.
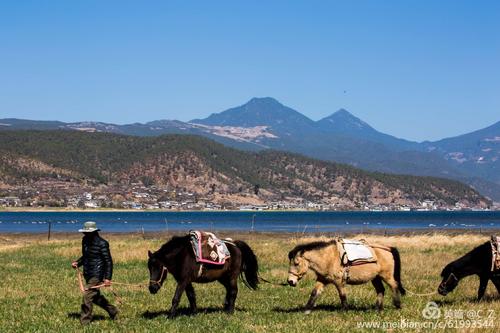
(415, 69)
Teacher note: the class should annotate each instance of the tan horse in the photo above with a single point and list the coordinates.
(324, 258)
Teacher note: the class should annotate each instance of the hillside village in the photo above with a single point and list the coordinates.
(64, 195)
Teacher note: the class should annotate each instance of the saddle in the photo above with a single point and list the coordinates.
(355, 252)
(208, 249)
(495, 251)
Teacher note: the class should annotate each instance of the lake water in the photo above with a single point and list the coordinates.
(38, 222)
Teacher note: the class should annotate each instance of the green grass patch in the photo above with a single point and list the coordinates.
(40, 294)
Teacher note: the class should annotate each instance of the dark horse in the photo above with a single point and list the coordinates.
(177, 258)
(478, 262)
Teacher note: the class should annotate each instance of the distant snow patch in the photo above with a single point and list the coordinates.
(456, 156)
(244, 134)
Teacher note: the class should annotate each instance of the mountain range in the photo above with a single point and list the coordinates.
(265, 123)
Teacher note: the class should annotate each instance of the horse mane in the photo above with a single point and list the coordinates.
(309, 247)
(476, 254)
(175, 243)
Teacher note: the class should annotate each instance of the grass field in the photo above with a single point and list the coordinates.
(39, 290)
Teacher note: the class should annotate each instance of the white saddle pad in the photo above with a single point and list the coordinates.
(356, 250)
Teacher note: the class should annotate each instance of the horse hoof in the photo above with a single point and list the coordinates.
(307, 312)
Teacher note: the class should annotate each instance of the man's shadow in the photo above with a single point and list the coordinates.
(76, 315)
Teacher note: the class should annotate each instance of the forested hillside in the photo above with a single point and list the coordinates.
(205, 167)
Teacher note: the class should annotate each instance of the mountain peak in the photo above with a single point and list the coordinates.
(344, 119)
(259, 111)
(342, 112)
(263, 100)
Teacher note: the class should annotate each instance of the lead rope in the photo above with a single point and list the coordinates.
(118, 299)
(420, 295)
(272, 283)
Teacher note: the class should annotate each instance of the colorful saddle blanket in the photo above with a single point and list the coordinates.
(208, 249)
(355, 252)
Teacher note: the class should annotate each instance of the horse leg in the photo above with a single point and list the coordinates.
(177, 297)
(379, 288)
(483, 283)
(231, 293)
(191, 297)
(342, 294)
(318, 288)
(396, 294)
(496, 283)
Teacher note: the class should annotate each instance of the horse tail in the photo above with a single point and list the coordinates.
(249, 265)
(397, 269)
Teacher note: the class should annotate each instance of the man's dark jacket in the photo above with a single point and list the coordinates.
(96, 258)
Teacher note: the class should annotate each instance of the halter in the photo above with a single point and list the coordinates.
(443, 285)
(298, 276)
(451, 276)
(158, 282)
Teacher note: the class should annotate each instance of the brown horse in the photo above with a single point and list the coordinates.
(177, 258)
(324, 259)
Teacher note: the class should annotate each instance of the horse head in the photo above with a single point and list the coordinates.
(449, 282)
(298, 268)
(157, 272)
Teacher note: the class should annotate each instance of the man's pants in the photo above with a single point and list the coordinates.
(93, 296)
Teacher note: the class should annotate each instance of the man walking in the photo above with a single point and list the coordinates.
(97, 269)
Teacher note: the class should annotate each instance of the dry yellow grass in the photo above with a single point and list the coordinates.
(414, 241)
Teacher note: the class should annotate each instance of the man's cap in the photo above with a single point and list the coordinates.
(89, 226)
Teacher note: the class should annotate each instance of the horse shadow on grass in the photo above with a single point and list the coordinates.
(76, 315)
(326, 307)
(185, 311)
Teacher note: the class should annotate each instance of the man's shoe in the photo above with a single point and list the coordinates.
(85, 322)
(113, 313)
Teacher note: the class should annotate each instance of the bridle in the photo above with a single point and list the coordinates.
(164, 270)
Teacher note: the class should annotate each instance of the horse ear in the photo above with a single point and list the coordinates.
(150, 254)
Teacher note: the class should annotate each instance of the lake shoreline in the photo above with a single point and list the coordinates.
(43, 236)
(208, 211)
